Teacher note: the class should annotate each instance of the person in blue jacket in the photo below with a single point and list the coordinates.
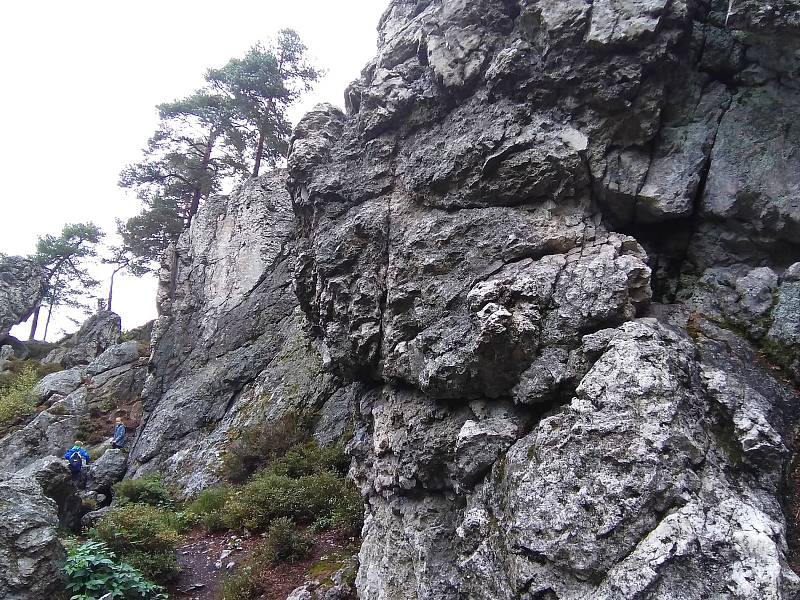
(118, 441)
(76, 456)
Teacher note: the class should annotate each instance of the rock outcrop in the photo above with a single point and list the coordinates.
(99, 332)
(22, 284)
(80, 403)
(230, 351)
(481, 238)
(32, 556)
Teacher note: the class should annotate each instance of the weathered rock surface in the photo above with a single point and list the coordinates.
(106, 471)
(32, 556)
(21, 286)
(55, 479)
(480, 236)
(229, 347)
(80, 405)
(96, 335)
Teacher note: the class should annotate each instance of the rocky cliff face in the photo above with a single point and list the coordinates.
(557, 240)
(229, 348)
(21, 286)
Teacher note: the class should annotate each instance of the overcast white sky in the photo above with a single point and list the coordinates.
(81, 80)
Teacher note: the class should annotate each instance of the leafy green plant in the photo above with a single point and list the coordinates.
(207, 508)
(17, 399)
(258, 445)
(93, 570)
(145, 536)
(269, 496)
(146, 490)
(284, 543)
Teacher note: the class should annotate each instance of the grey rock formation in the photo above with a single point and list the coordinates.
(106, 471)
(338, 586)
(21, 287)
(96, 335)
(479, 237)
(113, 357)
(61, 383)
(79, 405)
(229, 347)
(55, 479)
(6, 353)
(32, 555)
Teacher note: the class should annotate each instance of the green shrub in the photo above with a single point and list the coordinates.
(269, 496)
(17, 399)
(348, 513)
(207, 508)
(284, 543)
(241, 585)
(146, 490)
(93, 570)
(143, 535)
(310, 458)
(260, 444)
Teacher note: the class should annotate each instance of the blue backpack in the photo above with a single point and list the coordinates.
(75, 462)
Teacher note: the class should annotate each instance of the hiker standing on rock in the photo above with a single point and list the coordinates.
(118, 441)
(76, 457)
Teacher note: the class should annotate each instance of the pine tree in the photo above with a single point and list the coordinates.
(263, 85)
(63, 259)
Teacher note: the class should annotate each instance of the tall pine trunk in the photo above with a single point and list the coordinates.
(47, 322)
(35, 322)
(111, 290)
(198, 190)
(259, 152)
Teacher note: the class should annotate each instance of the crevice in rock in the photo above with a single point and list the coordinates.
(792, 506)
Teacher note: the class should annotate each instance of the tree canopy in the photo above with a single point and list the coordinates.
(224, 131)
(63, 258)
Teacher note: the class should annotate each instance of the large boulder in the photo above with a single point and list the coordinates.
(115, 356)
(511, 187)
(106, 471)
(62, 383)
(57, 483)
(32, 556)
(22, 284)
(99, 332)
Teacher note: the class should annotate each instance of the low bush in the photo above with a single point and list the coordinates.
(145, 536)
(269, 496)
(241, 585)
(146, 490)
(284, 543)
(348, 513)
(207, 508)
(258, 445)
(310, 458)
(93, 570)
(16, 397)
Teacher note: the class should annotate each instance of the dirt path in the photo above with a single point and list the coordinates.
(204, 559)
(200, 577)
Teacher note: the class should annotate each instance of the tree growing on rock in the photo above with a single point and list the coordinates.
(63, 259)
(122, 258)
(263, 85)
(229, 129)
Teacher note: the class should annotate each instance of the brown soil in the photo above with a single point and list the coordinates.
(280, 580)
(201, 580)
